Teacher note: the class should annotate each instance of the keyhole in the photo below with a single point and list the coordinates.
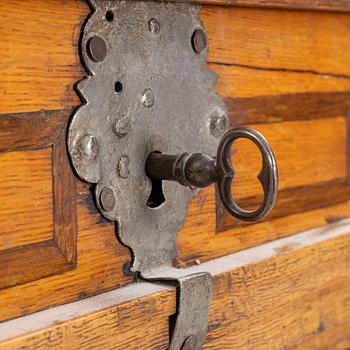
(156, 198)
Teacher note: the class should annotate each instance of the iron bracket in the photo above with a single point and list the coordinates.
(148, 89)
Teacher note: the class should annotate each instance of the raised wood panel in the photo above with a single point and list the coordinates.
(291, 293)
(100, 266)
(39, 59)
(305, 183)
(38, 209)
(26, 198)
(307, 152)
(310, 42)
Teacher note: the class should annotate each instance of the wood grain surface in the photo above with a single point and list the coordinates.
(309, 270)
(42, 50)
(283, 72)
(38, 216)
(326, 5)
(305, 42)
(26, 197)
(39, 53)
(100, 266)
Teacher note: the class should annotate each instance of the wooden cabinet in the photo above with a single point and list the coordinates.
(284, 70)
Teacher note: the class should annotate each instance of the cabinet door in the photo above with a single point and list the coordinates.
(285, 73)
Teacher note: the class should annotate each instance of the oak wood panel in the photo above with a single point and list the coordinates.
(100, 265)
(102, 260)
(31, 130)
(26, 263)
(307, 152)
(244, 82)
(39, 58)
(267, 109)
(325, 5)
(37, 186)
(310, 42)
(275, 93)
(26, 197)
(290, 201)
(203, 237)
(40, 50)
(291, 293)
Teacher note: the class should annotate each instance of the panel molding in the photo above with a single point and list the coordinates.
(44, 129)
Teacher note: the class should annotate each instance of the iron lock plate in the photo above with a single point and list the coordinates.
(148, 89)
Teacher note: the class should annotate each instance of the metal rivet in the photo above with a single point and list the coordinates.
(97, 49)
(107, 199)
(199, 40)
(148, 98)
(218, 124)
(123, 167)
(88, 147)
(154, 26)
(122, 126)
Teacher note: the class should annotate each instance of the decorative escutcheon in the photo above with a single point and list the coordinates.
(147, 98)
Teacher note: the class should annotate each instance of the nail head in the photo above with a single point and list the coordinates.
(218, 124)
(107, 199)
(199, 40)
(97, 49)
(154, 26)
(148, 98)
(123, 167)
(88, 147)
(122, 126)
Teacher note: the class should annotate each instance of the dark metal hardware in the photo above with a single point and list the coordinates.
(199, 41)
(97, 49)
(200, 170)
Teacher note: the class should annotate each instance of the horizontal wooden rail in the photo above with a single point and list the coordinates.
(292, 292)
(325, 5)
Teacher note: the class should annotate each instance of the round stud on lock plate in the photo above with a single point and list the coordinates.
(218, 124)
(107, 199)
(97, 49)
(122, 126)
(199, 40)
(148, 98)
(88, 147)
(123, 167)
(154, 26)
